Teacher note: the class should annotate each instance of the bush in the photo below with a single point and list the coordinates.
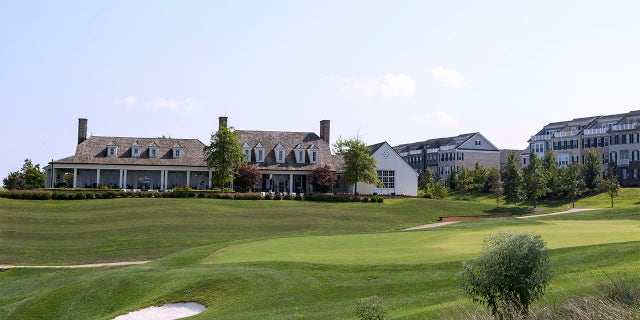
(277, 196)
(287, 197)
(371, 308)
(89, 196)
(511, 272)
(248, 196)
(330, 197)
(378, 199)
(201, 195)
(26, 194)
(364, 199)
(297, 197)
(268, 196)
(79, 196)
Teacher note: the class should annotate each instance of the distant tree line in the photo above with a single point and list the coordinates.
(541, 179)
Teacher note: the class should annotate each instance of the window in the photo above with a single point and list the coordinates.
(135, 152)
(259, 154)
(112, 151)
(247, 152)
(280, 156)
(478, 143)
(388, 178)
(153, 152)
(299, 152)
(177, 152)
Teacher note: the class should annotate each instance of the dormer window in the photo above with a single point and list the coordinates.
(259, 149)
(153, 152)
(112, 151)
(313, 154)
(280, 156)
(135, 151)
(177, 152)
(247, 151)
(299, 151)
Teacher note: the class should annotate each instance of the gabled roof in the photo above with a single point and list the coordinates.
(437, 142)
(374, 147)
(289, 141)
(94, 151)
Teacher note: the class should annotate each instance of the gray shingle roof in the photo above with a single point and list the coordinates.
(94, 151)
(289, 140)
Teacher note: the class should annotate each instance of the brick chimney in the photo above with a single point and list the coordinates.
(325, 131)
(222, 122)
(82, 130)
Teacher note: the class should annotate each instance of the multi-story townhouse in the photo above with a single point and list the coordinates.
(615, 137)
(445, 155)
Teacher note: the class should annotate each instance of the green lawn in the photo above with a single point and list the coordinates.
(281, 259)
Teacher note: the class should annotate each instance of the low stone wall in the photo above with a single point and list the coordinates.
(465, 218)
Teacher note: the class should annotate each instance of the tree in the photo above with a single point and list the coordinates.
(29, 177)
(246, 177)
(493, 183)
(511, 272)
(610, 185)
(512, 178)
(592, 168)
(551, 170)
(534, 179)
(425, 180)
(359, 165)
(323, 178)
(224, 154)
(479, 175)
(464, 181)
(439, 191)
(452, 180)
(571, 181)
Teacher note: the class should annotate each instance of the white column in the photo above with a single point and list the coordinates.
(120, 179)
(291, 183)
(270, 182)
(166, 179)
(75, 177)
(53, 177)
(188, 178)
(162, 180)
(209, 183)
(97, 177)
(124, 178)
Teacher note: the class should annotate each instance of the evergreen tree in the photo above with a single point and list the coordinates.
(425, 181)
(464, 180)
(359, 165)
(592, 168)
(512, 178)
(552, 169)
(479, 175)
(224, 154)
(534, 180)
(493, 184)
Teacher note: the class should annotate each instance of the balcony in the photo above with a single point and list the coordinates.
(622, 163)
(626, 126)
(561, 134)
(541, 137)
(449, 147)
(413, 152)
(433, 150)
(591, 132)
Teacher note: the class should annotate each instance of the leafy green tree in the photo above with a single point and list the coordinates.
(438, 190)
(571, 181)
(246, 177)
(592, 168)
(493, 183)
(464, 181)
(29, 177)
(452, 180)
(359, 165)
(511, 272)
(323, 178)
(479, 174)
(534, 180)
(224, 154)
(512, 178)
(425, 181)
(551, 169)
(610, 185)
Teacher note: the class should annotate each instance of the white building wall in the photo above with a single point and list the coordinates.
(406, 178)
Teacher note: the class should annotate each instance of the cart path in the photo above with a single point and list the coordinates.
(440, 224)
(78, 266)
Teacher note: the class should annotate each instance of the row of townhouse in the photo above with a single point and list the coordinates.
(615, 137)
(445, 155)
(285, 160)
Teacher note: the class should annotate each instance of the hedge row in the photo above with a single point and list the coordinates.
(47, 195)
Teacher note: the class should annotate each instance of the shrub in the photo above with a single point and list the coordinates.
(248, 196)
(26, 194)
(89, 196)
(511, 272)
(229, 190)
(297, 197)
(287, 197)
(364, 199)
(378, 199)
(277, 196)
(330, 197)
(79, 196)
(201, 195)
(268, 196)
(371, 308)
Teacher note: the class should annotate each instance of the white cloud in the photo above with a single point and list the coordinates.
(186, 106)
(448, 76)
(388, 86)
(397, 86)
(437, 119)
(128, 101)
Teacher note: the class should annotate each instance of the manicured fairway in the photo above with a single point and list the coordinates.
(432, 246)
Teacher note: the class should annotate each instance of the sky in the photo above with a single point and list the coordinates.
(395, 71)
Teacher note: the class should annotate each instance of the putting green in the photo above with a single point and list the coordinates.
(432, 246)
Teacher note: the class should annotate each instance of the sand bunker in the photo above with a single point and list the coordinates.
(166, 312)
